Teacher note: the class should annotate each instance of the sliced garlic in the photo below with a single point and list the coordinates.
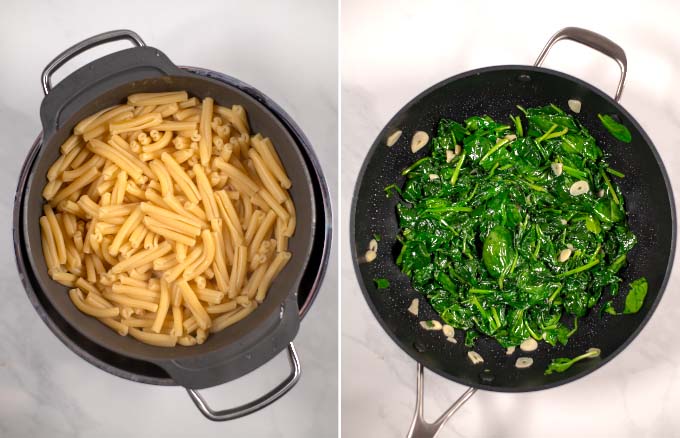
(510, 137)
(457, 150)
(419, 141)
(556, 168)
(373, 245)
(510, 350)
(452, 340)
(579, 188)
(528, 344)
(600, 193)
(413, 308)
(564, 255)
(449, 155)
(431, 325)
(448, 331)
(574, 105)
(370, 256)
(433, 176)
(393, 138)
(524, 362)
(475, 357)
(563, 221)
(570, 246)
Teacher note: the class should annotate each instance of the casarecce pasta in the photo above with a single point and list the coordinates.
(166, 219)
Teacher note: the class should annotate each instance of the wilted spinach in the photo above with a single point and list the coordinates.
(493, 235)
(634, 300)
(616, 129)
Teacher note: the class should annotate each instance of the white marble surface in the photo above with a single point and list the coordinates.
(45, 389)
(391, 51)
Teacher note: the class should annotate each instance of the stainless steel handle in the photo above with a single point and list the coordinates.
(595, 41)
(421, 428)
(257, 404)
(68, 54)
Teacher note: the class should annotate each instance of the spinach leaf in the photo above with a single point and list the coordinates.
(562, 364)
(381, 283)
(616, 129)
(498, 251)
(634, 299)
(636, 296)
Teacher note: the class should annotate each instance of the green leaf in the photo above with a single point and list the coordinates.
(636, 296)
(498, 251)
(376, 237)
(381, 283)
(616, 129)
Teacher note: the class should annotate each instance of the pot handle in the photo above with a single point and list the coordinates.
(421, 428)
(77, 49)
(89, 82)
(257, 404)
(595, 41)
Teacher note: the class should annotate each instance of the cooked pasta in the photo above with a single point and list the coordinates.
(165, 219)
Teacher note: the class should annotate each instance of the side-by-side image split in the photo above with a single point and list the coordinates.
(339, 219)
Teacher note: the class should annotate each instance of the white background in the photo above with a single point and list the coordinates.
(288, 50)
(391, 51)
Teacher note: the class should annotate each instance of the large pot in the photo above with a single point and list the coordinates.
(236, 350)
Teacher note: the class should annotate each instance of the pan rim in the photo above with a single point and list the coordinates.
(476, 72)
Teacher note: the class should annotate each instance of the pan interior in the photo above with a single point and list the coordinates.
(496, 91)
(262, 121)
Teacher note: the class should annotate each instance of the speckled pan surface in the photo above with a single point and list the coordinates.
(496, 91)
(237, 349)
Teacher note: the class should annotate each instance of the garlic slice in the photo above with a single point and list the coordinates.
(419, 141)
(528, 344)
(448, 331)
(413, 308)
(510, 350)
(475, 357)
(574, 105)
(579, 188)
(564, 255)
(393, 138)
(556, 168)
(524, 362)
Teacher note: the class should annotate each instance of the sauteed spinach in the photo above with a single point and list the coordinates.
(513, 230)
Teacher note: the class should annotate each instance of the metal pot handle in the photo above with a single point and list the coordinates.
(421, 428)
(257, 404)
(90, 82)
(77, 49)
(595, 41)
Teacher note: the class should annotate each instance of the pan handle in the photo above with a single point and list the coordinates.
(257, 404)
(595, 41)
(77, 49)
(421, 428)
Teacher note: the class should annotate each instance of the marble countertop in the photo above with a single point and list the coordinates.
(45, 389)
(391, 51)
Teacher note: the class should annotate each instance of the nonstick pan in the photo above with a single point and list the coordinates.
(236, 350)
(496, 91)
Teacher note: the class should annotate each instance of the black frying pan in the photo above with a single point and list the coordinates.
(238, 349)
(496, 91)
